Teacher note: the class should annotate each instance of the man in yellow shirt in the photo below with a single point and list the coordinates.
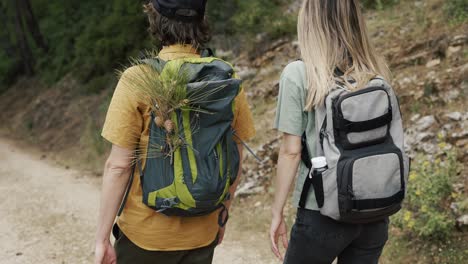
(144, 235)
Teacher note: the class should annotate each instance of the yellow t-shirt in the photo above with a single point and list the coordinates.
(128, 116)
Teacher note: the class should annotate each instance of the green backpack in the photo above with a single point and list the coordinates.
(195, 179)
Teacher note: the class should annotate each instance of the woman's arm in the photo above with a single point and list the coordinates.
(116, 175)
(288, 163)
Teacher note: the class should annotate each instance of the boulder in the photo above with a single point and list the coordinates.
(455, 116)
(425, 122)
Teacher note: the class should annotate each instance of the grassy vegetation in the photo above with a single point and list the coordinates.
(456, 10)
(426, 217)
(92, 38)
(430, 190)
(94, 148)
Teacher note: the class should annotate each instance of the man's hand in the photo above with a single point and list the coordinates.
(105, 253)
(278, 229)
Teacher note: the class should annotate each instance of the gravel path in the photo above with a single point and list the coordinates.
(48, 214)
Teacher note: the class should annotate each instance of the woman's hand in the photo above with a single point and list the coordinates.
(288, 163)
(105, 253)
(278, 229)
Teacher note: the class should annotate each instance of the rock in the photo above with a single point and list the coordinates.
(295, 44)
(433, 63)
(429, 148)
(224, 54)
(451, 95)
(415, 117)
(458, 188)
(424, 136)
(455, 208)
(462, 221)
(446, 127)
(461, 143)
(464, 68)
(459, 40)
(455, 116)
(257, 204)
(459, 135)
(246, 73)
(425, 122)
(452, 50)
(249, 189)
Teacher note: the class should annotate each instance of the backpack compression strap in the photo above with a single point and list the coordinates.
(314, 181)
(129, 185)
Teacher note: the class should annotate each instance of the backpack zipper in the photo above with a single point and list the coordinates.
(216, 154)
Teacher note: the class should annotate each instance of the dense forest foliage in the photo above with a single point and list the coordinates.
(91, 38)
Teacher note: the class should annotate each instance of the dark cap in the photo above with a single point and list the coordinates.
(181, 10)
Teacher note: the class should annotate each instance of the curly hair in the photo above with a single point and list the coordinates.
(169, 32)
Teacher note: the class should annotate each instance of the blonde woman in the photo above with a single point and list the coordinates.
(334, 47)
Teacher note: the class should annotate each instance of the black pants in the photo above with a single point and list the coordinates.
(129, 253)
(316, 239)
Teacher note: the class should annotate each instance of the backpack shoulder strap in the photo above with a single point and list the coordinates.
(157, 63)
(207, 52)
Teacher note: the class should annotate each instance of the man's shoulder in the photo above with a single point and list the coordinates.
(135, 71)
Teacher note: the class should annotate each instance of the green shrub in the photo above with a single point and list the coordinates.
(90, 38)
(426, 212)
(8, 70)
(258, 16)
(456, 10)
(241, 21)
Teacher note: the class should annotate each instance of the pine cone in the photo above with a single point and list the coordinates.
(185, 102)
(159, 121)
(169, 126)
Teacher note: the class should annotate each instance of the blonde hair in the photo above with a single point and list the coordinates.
(332, 33)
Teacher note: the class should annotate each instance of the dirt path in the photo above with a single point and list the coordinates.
(48, 214)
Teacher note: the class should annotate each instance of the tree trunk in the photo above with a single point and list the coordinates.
(28, 15)
(22, 41)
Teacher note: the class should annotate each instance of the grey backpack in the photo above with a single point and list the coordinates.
(360, 134)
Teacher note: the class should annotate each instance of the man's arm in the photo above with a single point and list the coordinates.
(116, 175)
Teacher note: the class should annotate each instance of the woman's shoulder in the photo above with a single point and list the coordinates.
(295, 72)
